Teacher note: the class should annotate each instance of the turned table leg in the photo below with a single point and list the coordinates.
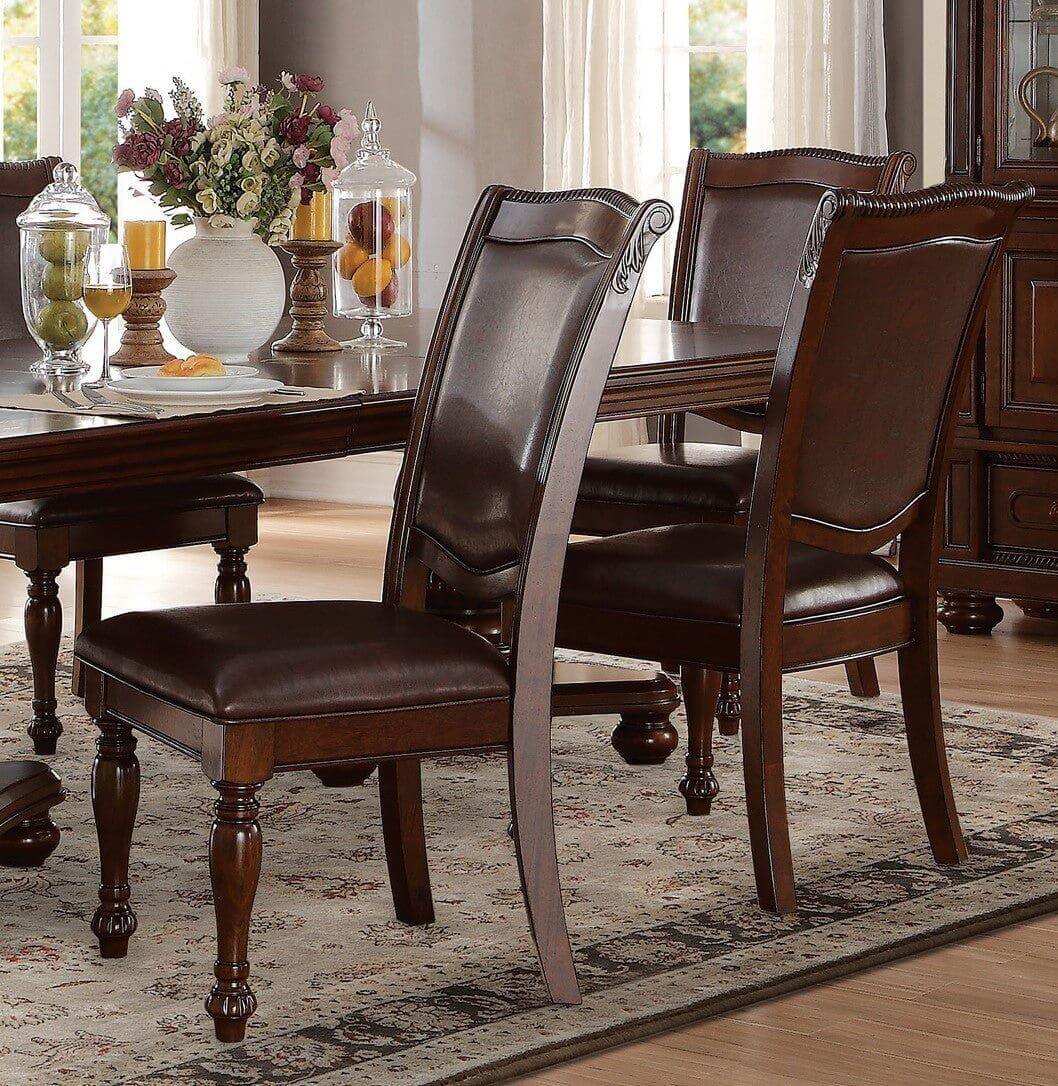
(43, 633)
(968, 612)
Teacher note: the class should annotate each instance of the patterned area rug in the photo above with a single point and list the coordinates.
(661, 907)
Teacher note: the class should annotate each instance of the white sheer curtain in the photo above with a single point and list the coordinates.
(816, 75)
(226, 35)
(591, 116)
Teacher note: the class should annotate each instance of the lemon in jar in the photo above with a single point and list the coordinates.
(61, 324)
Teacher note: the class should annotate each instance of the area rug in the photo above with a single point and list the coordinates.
(661, 907)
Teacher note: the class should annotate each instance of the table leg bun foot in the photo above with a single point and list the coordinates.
(645, 738)
(29, 843)
(344, 776)
(968, 613)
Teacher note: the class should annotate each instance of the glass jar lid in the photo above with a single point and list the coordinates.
(64, 203)
(373, 165)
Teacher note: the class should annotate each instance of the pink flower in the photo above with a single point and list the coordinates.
(308, 84)
(125, 100)
(301, 156)
(327, 115)
(341, 152)
(180, 132)
(327, 176)
(139, 152)
(233, 74)
(348, 128)
(296, 181)
(287, 80)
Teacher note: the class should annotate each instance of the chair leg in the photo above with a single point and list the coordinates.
(762, 760)
(920, 693)
(729, 704)
(234, 870)
(43, 632)
(115, 797)
(701, 689)
(400, 794)
(529, 769)
(863, 678)
(233, 586)
(88, 608)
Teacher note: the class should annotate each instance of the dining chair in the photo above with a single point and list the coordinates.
(44, 535)
(742, 229)
(28, 791)
(512, 383)
(857, 438)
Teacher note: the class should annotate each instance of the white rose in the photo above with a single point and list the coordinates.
(207, 200)
(222, 152)
(270, 153)
(247, 203)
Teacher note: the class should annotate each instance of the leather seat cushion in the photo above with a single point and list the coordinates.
(695, 571)
(62, 510)
(706, 481)
(263, 661)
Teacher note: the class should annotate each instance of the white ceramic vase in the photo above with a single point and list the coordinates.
(229, 293)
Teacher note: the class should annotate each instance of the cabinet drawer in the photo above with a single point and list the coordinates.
(1023, 506)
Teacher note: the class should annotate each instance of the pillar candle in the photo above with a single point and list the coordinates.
(312, 221)
(145, 242)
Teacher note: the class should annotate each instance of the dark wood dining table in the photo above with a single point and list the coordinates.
(662, 367)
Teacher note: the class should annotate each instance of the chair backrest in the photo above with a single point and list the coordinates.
(884, 318)
(744, 221)
(516, 367)
(19, 183)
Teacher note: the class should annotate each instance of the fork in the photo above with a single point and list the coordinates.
(136, 410)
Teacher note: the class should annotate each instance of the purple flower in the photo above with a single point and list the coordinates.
(180, 132)
(311, 173)
(308, 84)
(174, 174)
(139, 151)
(125, 100)
(294, 129)
(327, 115)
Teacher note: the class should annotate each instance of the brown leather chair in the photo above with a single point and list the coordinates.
(742, 230)
(28, 791)
(43, 536)
(856, 444)
(512, 383)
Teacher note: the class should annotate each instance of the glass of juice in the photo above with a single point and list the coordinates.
(107, 289)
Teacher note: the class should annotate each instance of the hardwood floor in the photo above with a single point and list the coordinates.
(983, 1011)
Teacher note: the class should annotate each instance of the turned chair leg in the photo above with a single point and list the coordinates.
(762, 760)
(701, 689)
(234, 870)
(920, 693)
(43, 632)
(729, 704)
(400, 794)
(115, 797)
(233, 585)
(529, 771)
(863, 678)
(88, 609)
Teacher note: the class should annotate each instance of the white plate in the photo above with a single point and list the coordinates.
(151, 377)
(246, 390)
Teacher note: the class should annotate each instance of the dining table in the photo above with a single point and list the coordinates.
(662, 367)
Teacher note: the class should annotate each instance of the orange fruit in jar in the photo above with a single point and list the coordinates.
(397, 251)
(350, 257)
(372, 277)
(396, 207)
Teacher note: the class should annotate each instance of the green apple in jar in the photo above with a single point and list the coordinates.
(63, 282)
(64, 245)
(61, 324)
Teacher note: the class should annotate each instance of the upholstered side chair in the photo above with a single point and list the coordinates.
(512, 383)
(742, 230)
(44, 535)
(857, 439)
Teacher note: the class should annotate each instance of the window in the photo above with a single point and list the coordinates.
(59, 74)
(693, 77)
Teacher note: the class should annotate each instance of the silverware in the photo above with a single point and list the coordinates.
(67, 400)
(290, 392)
(134, 410)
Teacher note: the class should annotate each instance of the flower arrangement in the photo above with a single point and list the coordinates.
(268, 150)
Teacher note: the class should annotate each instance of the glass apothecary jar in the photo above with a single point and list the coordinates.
(57, 229)
(374, 269)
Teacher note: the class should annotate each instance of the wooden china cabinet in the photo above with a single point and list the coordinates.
(1002, 510)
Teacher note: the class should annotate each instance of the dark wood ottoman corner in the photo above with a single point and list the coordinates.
(28, 791)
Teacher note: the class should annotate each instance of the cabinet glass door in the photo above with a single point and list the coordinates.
(1031, 46)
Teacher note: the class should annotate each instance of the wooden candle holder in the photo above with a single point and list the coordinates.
(141, 342)
(308, 298)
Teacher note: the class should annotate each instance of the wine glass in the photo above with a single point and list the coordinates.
(107, 290)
